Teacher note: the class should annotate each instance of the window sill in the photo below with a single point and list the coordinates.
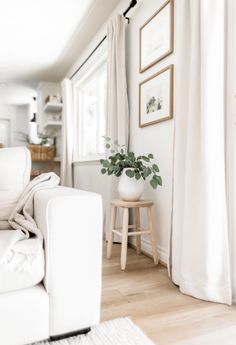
(87, 162)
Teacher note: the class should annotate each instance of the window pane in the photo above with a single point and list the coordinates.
(91, 114)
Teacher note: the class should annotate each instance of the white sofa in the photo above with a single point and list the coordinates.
(68, 298)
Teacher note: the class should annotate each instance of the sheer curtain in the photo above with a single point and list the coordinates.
(117, 100)
(67, 134)
(199, 256)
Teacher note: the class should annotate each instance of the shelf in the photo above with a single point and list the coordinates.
(52, 125)
(55, 159)
(53, 107)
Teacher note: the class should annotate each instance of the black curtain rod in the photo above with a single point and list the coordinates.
(84, 62)
(131, 5)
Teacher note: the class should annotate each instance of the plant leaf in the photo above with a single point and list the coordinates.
(130, 173)
(146, 159)
(119, 174)
(137, 175)
(154, 183)
(103, 171)
(106, 138)
(158, 179)
(155, 168)
(147, 172)
(150, 156)
(108, 146)
(105, 163)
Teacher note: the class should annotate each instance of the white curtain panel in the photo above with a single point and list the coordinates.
(67, 134)
(231, 133)
(199, 256)
(117, 99)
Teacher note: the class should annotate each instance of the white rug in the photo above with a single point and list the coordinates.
(115, 332)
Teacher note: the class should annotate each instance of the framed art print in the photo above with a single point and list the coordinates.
(156, 37)
(156, 98)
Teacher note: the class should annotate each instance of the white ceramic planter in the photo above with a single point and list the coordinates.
(130, 189)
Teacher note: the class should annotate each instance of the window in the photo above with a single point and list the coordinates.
(90, 99)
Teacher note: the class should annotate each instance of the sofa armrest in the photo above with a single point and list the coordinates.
(71, 223)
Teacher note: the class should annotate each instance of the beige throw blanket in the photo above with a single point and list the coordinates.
(21, 221)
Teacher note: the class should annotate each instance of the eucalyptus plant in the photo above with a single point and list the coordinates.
(138, 166)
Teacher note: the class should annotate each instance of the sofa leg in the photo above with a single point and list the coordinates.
(71, 334)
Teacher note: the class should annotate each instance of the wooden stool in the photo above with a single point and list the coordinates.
(124, 233)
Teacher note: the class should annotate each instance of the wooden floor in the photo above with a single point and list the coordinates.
(145, 293)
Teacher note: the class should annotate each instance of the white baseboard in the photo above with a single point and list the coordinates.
(146, 248)
(162, 252)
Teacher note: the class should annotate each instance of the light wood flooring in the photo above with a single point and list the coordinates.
(145, 293)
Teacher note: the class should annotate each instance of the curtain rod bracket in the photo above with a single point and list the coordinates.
(127, 18)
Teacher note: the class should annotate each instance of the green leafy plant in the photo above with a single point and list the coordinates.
(21, 136)
(45, 139)
(138, 166)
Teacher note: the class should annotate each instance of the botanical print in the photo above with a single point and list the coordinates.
(156, 98)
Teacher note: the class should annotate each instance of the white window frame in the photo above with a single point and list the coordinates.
(100, 64)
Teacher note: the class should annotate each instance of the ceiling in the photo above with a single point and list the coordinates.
(41, 39)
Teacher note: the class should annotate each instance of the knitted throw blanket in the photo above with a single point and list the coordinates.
(22, 221)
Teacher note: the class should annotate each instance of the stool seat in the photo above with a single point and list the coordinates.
(132, 204)
(136, 229)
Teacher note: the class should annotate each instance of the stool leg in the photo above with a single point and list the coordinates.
(111, 234)
(152, 235)
(138, 237)
(124, 238)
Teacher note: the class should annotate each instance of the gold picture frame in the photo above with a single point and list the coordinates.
(156, 97)
(156, 37)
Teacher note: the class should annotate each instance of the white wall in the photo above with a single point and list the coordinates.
(21, 123)
(18, 118)
(156, 139)
(7, 112)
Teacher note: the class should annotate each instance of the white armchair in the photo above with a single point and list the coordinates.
(68, 298)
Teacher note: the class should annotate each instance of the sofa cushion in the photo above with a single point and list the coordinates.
(22, 266)
(15, 167)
